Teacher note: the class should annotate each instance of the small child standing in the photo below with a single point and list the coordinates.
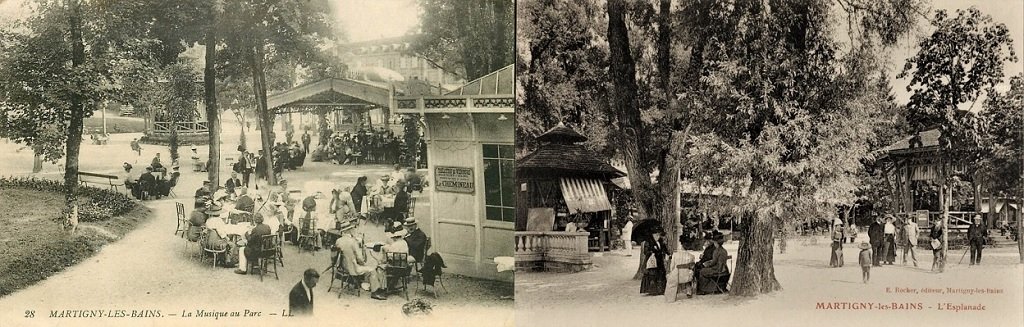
(865, 260)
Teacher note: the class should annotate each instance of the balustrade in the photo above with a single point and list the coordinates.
(558, 247)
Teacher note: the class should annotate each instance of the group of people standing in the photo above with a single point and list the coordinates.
(886, 234)
(377, 146)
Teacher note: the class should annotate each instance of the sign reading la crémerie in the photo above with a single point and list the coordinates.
(454, 179)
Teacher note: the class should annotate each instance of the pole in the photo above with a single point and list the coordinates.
(103, 113)
(943, 201)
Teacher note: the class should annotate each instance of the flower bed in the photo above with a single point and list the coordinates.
(94, 204)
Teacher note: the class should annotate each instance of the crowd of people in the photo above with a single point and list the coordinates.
(315, 221)
(373, 146)
(153, 181)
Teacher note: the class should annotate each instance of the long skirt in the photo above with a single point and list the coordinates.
(890, 248)
(837, 254)
(653, 282)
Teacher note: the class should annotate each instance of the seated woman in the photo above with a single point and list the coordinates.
(131, 182)
(712, 271)
(680, 274)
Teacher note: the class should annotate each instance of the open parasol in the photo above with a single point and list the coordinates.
(642, 231)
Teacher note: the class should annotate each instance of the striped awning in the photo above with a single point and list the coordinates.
(584, 195)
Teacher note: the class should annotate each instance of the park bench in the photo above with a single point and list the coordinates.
(85, 178)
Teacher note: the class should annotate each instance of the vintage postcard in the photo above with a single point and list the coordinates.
(769, 163)
(228, 163)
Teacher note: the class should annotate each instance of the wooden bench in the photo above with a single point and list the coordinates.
(85, 178)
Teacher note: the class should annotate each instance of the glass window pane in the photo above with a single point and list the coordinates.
(490, 151)
(494, 213)
(492, 182)
(507, 184)
(506, 151)
(509, 214)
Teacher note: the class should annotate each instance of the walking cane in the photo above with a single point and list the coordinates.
(964, 255)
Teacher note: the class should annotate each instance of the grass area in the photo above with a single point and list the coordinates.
(33, 246)
(115, 124)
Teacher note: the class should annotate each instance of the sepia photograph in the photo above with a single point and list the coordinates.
(257, 162)
(769, 162)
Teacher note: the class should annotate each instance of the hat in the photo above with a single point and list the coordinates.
(410, 221)
(388, 177)
(215, 210)
(977, 218)
(864, 246)
(399, 233)
(345, 225)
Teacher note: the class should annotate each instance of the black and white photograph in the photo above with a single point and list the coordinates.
(769, 163)
(257, 162)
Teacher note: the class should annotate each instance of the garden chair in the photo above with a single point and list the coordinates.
(396, 269)
(347, 281)
(182, 228)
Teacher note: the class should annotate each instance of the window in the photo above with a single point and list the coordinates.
(499, 182)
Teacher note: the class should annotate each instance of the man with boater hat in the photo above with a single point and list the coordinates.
(416, 239)
(355, 261)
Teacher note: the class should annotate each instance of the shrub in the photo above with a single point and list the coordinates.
(94, 204)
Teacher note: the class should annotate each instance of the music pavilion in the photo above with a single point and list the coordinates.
(470, 154)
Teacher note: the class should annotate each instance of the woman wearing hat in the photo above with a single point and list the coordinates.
(837, 245)
(653, 282)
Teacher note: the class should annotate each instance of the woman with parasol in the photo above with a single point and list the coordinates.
(653, 282)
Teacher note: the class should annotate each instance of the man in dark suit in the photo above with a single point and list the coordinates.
(232, 183)
(976, 234)
(416, 239)
(147, 181)
(244, 201)
(876, 233)
(254, 242)
(300, 299)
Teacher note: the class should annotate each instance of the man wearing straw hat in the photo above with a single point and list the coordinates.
(355, 261)
(417, 240)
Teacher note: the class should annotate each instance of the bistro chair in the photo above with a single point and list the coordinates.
(347, 281)
(280, 245)
(204, 241)
(396, 269)
(182, 228)
(307, 234)
(267, 255)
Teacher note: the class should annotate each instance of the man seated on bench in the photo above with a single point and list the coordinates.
(147, 182)
(714, 274)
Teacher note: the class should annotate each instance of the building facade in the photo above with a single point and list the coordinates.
(470, 153)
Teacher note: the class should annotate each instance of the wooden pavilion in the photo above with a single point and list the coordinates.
(562, 180)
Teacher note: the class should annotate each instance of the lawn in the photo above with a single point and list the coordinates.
(115, 124)
(33, 246)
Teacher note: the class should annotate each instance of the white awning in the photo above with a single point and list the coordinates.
(986, 204)
(584, 195)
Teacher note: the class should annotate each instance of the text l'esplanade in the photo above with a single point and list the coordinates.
(105, 314)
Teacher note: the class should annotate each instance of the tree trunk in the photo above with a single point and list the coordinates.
(210, 99)
(266, 120)
(755, 272)
(37, 162)
(75, 123)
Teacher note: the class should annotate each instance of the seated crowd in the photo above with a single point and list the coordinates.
(153, 182)
(323, 224)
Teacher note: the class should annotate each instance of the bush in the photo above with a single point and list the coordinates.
(94, 204)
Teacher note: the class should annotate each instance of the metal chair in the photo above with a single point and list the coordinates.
(347, 281)
(192, 244)
(397, 266)
(204, 242)
(181, 219)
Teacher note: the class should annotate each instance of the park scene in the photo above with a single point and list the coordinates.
(257, 162)
(769, 163)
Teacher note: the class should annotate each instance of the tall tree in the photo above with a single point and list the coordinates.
(210, 93)
(476, 36)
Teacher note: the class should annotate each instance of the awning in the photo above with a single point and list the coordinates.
(584, 195)
(986, 204)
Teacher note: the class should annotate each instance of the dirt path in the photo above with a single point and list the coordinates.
(606, 295)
